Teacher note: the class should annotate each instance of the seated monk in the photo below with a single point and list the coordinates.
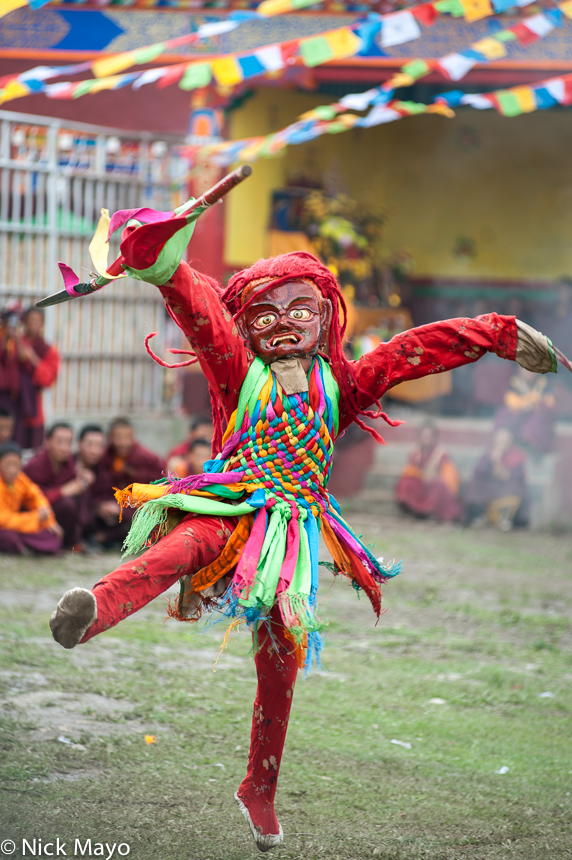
(90, 450)
(7, 425)
(497, 492)
(192, 462)
(528, 412)
(63, 481)
(429, 485)
(200, 427)
(27, 523)
(124, 462)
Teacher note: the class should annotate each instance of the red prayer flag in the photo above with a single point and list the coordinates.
(567, 90)
(174, 74)
(289, 49)
(426, 14)
(523, 34)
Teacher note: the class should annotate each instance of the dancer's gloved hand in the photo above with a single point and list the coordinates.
(534, 350)
(152, 252)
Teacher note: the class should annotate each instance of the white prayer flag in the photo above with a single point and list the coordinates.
(149, 77)
(456, 65)
(524, 2)
(397, 28)
(477, 101)
(556, 88)
(39, 73)
(539, 24)
(270, 57)
(359, 101)
(52, 90)
(378, 115)
(216, 28)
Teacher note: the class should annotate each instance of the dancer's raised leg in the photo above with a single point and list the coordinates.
(195, 542)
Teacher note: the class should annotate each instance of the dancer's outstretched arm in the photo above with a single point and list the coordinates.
(195, 306)
(192, 302)
(447, 344)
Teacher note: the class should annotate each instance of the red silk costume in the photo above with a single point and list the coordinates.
(196, 307)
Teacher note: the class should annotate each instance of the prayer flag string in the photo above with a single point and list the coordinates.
(388, 30)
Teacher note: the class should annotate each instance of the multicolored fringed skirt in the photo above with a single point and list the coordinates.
(272, 472)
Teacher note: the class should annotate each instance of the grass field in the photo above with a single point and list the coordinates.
(478, 628)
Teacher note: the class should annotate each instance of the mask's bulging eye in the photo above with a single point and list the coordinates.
(262, 322)
(300, 314)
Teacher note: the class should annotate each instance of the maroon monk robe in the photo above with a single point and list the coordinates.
(10, 393)
(33, 380)
(70, 511)
(140, 467)
(110, 535)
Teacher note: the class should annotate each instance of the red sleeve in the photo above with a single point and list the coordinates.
(198, 311)
(46, 370)
(432, 348)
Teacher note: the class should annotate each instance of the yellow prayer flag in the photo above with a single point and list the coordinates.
(400, 80)
(343, 42)
(441, 109)
(476, 9)
(13, 90)
(566, 7)
(111, 65)
(269, 8)
(312, 114)
(491, 48)
(9, 6)
(105, 83)
(525, 98)
(227, 71)
(250, 152)
(348, 119)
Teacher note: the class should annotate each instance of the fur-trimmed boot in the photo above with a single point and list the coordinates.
(264, 841)
(74, 614)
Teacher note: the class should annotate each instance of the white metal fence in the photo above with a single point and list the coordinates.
(54, 179)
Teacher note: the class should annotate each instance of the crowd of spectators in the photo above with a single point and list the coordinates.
(63, 498)
(496, 493)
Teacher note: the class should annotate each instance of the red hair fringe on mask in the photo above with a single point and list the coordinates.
(300, 265)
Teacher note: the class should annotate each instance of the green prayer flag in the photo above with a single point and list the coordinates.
(452, 7)
(316, 51)
(337, 127)
(416, 68)
(83, 87)
(504, 36)
(325, 112)
(509, 104)
(196, 76)
(411, 108)
(145, 55)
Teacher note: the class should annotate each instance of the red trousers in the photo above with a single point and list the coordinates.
(194, 543)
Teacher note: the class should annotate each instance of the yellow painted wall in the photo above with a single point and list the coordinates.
(505, 184)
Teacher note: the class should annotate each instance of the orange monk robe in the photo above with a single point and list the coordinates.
(19, 504)
(438, 465)
(429, 485)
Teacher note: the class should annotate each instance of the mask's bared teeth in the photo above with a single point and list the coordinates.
(284, 338)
